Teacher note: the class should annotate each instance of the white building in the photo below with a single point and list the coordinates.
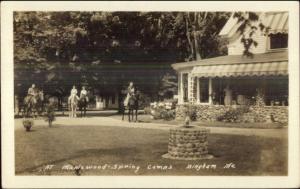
(236, 79)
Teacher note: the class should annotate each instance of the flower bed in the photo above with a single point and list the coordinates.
(162, 110)
(248, 114)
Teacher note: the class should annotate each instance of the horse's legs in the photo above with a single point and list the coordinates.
(75, 111)
(136, 114)
(129, 111)
(72, 115)
(123, 113)
(132, 114)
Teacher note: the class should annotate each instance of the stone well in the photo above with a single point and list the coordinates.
(188, 143)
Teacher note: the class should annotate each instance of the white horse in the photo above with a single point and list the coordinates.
(73, 102)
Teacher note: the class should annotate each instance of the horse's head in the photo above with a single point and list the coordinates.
(73, 99)
(41, 95)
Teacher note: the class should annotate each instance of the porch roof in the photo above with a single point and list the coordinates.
(231, 70)
(272, 63)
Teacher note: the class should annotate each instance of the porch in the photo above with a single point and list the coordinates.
(235, 83)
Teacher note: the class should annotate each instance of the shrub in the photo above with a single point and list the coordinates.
(193, 113)
(233, 115)
(147, 110)
(163, 110)
(144, 100)
(50, 113)
(27, 123)
(168, 114)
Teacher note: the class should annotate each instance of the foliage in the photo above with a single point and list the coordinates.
(163, 110)
(147, 110)
(28, 123)
(248, 21)
(234, 114)
(104, 49)
(144, 100)
(50, 113)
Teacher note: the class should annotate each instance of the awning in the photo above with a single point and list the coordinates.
(277, 22)
(248, 69)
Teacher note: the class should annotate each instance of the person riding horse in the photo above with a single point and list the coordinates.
(131, 103)
(83, 101)
(33, 101)
(83, 94)
(32, 92)
(130, 92)
(73, 91)
(72, 101)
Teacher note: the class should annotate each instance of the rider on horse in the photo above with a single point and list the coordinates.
(32, 92)
(83, 94)
(130, 92)
(72, 101)
(73, 93)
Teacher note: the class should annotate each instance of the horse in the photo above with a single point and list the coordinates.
(82, 104)
(73, 102)
(133, 105)
(34, 104)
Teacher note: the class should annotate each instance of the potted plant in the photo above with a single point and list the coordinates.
(50, 113)
(27, 123)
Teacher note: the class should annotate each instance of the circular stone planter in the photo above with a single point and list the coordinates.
(188, 143)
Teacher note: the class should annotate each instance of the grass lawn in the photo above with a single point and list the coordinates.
(145, 118)
(136, 147)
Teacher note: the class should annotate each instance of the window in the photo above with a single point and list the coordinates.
(278, 40)
(204, 90)
(276, 92)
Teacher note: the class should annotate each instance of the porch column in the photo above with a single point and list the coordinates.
(189, 94)
(210, 91)
(191, 89)
(180, 89)
(198, 89)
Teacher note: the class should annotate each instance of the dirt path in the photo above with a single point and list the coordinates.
(112, 122)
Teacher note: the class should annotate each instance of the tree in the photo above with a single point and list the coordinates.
(105, 49)
(247, 21)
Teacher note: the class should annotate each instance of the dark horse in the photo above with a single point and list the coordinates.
(82, 104)
(34, 104)
(133, 106)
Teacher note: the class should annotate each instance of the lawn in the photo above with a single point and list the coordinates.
(145, 118)
(136, 147)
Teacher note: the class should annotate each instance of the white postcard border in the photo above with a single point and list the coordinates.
(7, 121)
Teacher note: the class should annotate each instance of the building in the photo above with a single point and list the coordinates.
(106, 102)
(218, 85)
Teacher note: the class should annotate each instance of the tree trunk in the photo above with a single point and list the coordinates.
(198, 56)
(191, 48)
(196, 28)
